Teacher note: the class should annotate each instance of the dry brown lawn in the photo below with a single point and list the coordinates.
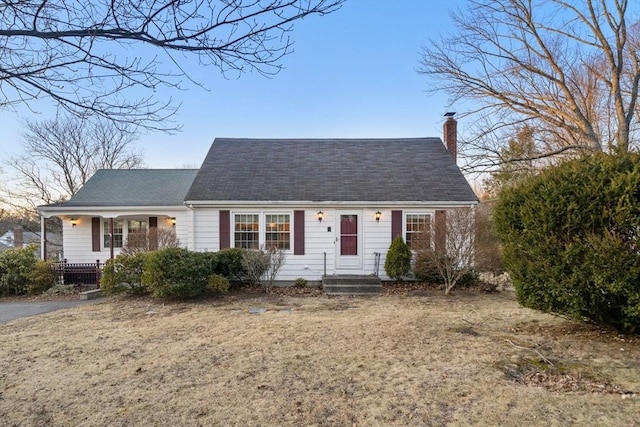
(414, 358)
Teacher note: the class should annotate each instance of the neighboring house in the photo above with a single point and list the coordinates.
(330, 204)
(18, 238)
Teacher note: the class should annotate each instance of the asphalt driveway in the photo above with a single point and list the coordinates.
(15, 310)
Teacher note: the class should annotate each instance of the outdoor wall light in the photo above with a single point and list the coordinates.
(74, 222)
(173, 221)
(320, 216)
(377, 216)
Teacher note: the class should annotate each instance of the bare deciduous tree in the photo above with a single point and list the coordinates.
(454, 256)
(570, 69)
(95, 56)
(60, 155)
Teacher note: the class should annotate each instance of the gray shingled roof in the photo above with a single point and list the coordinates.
(133, 187)
(407, 169)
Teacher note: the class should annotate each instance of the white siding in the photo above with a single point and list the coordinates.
(183, 226)
(76, 244)
(207, 234)
(377, 238)
(318, 240)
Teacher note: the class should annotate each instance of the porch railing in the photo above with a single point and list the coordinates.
(78, 274)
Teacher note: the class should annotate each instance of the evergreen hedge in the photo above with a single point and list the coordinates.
(571, 240)
(16, 267)
(176, 273)
(124, 274)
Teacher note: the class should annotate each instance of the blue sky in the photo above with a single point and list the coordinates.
(352, 74)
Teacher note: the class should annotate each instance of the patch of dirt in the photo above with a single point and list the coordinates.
(560, 377)
(423, 288)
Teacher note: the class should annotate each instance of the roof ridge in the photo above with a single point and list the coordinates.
(416, 138)
(148, 169)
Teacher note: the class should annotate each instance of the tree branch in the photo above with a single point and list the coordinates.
(77, 52)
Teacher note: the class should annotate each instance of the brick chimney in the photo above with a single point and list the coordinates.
(450, 134)
(18, 239)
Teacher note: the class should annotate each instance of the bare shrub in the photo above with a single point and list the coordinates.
(276, 262)
(255, 263)
(149, 241)
(263, 264)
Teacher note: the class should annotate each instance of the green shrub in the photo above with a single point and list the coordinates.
(300, 283)
(228, 263)
(41, 278)
(468, 279)
(398, 261)
(15, 268)
(217, 284)
(571, 240)
(176, 273)
(124, 274)
(425, 270)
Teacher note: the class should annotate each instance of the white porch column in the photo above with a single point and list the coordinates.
(43, 238)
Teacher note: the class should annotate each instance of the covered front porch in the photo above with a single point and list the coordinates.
(95, 237)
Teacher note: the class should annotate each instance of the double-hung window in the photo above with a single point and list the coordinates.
(137, 226)
(247, 231)
(256, 230)
(418, 231)
(118, 233)
(278, 231)
(122, 230)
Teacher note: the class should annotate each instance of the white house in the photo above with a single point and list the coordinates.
(330, 204)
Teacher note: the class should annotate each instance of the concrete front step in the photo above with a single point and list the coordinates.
(92, 294)
(351, 285)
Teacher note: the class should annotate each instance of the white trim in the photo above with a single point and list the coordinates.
(102, 210)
